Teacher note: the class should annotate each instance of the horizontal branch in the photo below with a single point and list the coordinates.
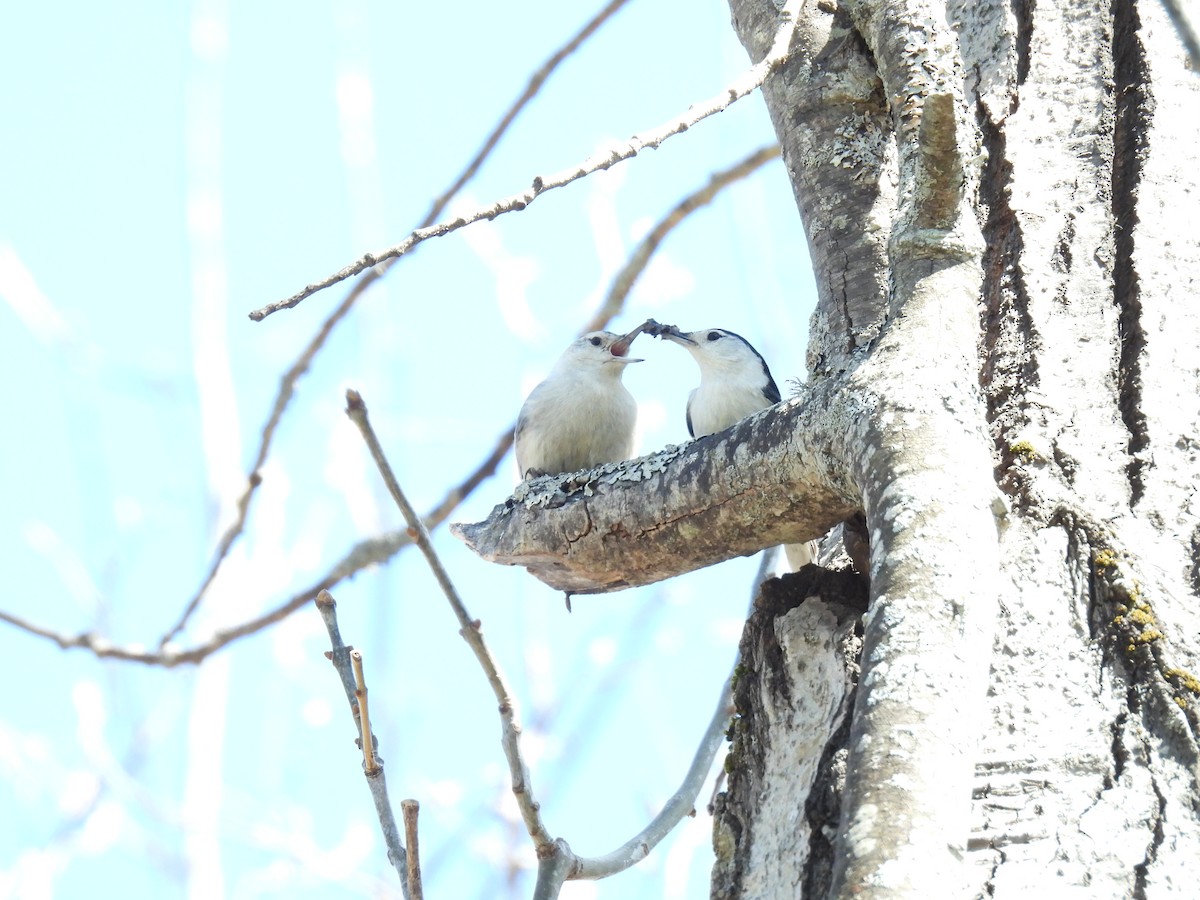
(768, 480)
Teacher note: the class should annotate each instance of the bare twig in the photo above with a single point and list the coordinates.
(554, 867)
(287, 389)
(409, 810)
(536, 80)
(681, 803)
(379, 549)
(371, 765)
(471, 630)
(614, 301)
(369, 552)
(556, 861)
(348, 664)
(749, 81)
(287, 384)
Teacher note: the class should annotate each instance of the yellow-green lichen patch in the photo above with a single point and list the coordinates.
(1185, 682)
(1025, 452)
(1137, 624)
(1104, 559)
(1142, 615)
(1183, 679)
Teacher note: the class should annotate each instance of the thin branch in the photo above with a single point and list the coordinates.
(348, 664)
(287, 389)
(369, 552)
(371, 765)
(471, 630)
(614, 302)
(554, 867)
(683, 801)
(625, 280)
(409, 810)
(556, 861)
(744, 84)
(378, 550)
(287, 384)
(536, 80)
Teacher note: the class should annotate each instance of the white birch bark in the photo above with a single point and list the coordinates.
(1001, 203)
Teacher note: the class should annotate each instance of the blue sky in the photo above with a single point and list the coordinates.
(168, 169)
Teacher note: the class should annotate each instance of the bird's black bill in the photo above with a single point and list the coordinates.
(671, 333)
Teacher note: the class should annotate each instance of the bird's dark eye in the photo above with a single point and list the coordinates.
(714, 335)
(596, 342)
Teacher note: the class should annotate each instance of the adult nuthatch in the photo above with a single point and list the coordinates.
(734, 383)
(734, 379)
(581, 415)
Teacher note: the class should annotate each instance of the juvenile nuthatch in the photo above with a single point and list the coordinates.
(581, 415)
(734, 383)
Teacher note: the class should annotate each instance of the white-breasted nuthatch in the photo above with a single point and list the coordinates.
(734, 379)
(735, 382)
(581, 415)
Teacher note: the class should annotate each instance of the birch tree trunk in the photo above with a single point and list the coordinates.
(1064, 761)
(1004, 377)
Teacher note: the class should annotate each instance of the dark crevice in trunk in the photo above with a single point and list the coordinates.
(1195, 570)
(1119, 753)
(824, 807)
(1134, 110)
(1009, 359)
(1023, 13)
(1142, 869)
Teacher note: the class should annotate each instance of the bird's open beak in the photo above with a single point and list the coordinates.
(620, 348)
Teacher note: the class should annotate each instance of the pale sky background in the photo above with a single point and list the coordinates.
(168, 168)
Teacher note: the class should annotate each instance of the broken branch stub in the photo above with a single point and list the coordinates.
(761, 483)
